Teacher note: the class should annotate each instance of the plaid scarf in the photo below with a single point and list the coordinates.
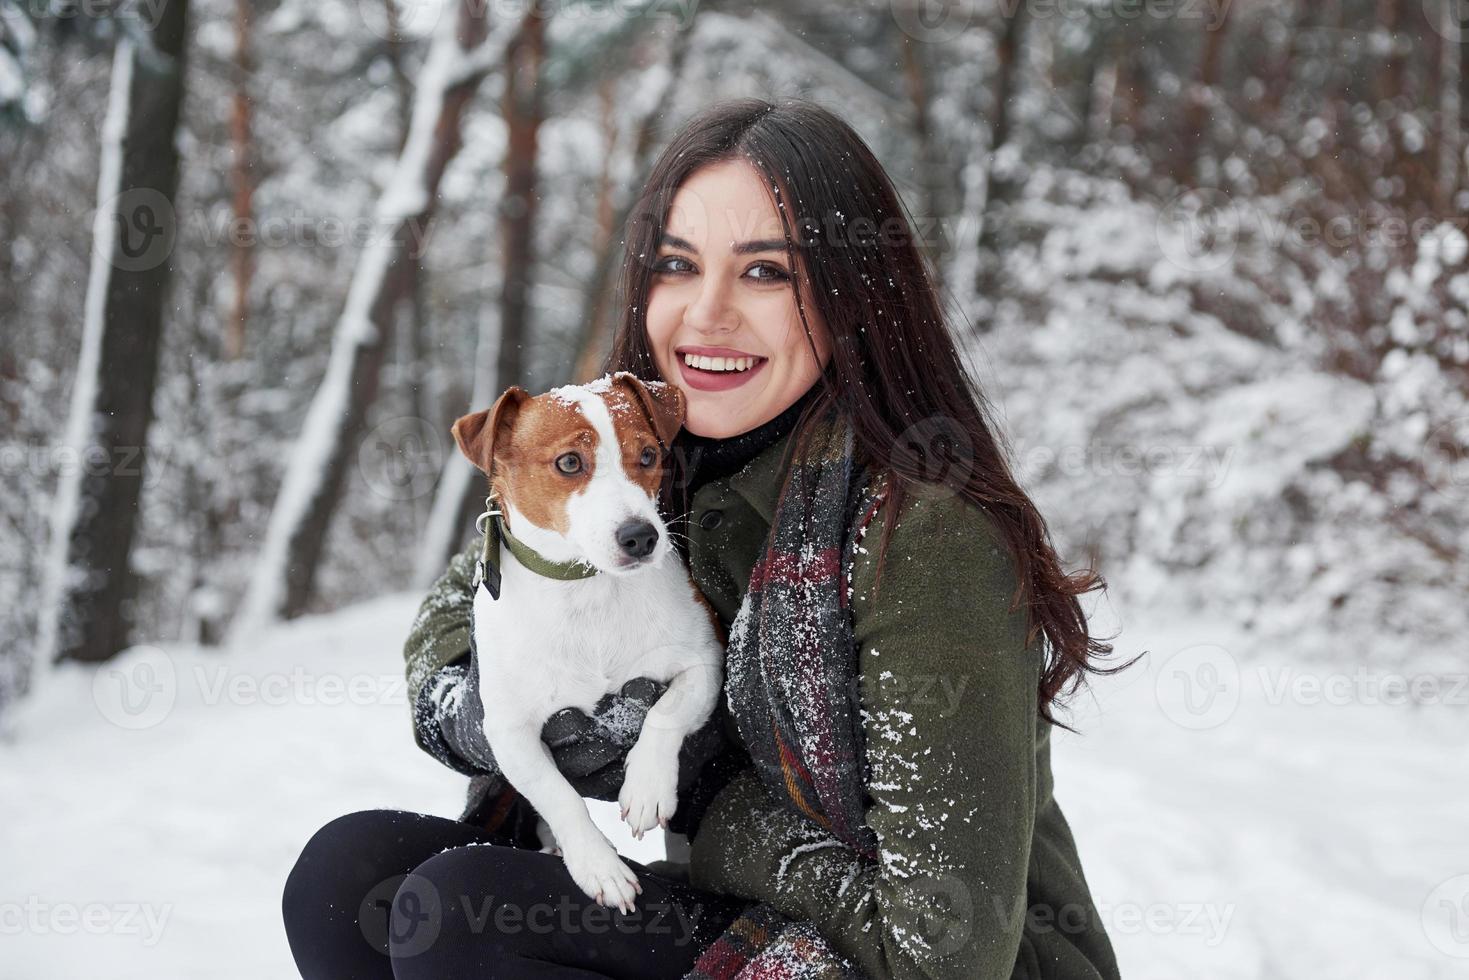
(791, 670)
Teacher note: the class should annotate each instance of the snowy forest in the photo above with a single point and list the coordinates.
(1208, 258)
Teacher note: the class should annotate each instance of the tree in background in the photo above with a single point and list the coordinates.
(500, 360)
(1082, 145)
(242, 180)
(281, 584)
(90, 581)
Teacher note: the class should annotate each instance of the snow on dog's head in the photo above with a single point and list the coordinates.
(577, 469)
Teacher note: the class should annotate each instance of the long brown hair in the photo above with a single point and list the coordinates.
(894, 371)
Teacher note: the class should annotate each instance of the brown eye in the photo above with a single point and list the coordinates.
(648, 457)
(674, 265)
(768, 272)
(569, 463)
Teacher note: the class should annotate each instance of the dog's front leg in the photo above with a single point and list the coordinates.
(590, 858)
(649, 792)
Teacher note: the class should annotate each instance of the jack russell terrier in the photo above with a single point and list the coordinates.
(586, 594)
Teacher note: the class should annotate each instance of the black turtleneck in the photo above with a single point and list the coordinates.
(707, 458)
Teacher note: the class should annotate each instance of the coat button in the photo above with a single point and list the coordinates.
(711, 519)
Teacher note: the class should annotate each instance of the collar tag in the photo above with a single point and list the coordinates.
(487, 576)
(487, 568)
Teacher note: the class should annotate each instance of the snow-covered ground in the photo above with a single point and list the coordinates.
(1238, 817)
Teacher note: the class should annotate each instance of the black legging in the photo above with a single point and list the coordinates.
(388, 894)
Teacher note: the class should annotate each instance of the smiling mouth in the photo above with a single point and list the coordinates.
(718, 361)
(720, 364)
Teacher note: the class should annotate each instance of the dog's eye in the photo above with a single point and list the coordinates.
(568, 463)
(648, 457)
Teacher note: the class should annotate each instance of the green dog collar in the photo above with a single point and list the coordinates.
(487, 570)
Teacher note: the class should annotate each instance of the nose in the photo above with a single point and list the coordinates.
(711, 311)
(637, 538)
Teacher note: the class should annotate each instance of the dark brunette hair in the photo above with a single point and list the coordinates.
(894, 371)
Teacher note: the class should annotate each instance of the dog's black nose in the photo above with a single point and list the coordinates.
(637, 538)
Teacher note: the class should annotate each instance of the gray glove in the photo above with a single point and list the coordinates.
(588, 749)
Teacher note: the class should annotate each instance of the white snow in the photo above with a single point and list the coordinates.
(12, 78)
(1243, 814)
(17, 29)
(150, 836)
(1296, 824)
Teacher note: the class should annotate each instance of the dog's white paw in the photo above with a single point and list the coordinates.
(649, 792)
(598, 871)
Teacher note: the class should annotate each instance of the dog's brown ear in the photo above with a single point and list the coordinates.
(479, 432)
(662, 402)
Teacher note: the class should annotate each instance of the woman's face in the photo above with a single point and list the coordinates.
(721, 297)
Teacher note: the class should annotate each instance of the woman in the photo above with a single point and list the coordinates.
(874, 796)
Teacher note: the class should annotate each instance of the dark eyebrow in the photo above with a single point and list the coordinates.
(741, 248)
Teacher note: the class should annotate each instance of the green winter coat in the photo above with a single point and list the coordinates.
(979, 876)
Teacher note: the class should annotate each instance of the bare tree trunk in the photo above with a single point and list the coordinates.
(1094, 84)
(1296, 19)
(588, 354)
(1450, 106)
(89, 579)
(1131, 90)
(1196, 112)
(461, 490)
(401, 81)
(1012, 40)
(523, 108)
(282, 583)
(915, 75)
(1390, 20)
(243, 182)
(597, 315)
(998, 186)
(412, 320)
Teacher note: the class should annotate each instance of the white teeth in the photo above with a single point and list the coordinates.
(719, 363)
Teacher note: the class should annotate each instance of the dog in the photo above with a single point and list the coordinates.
(587, 593)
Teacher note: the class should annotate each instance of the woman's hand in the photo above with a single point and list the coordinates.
(589, 749)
